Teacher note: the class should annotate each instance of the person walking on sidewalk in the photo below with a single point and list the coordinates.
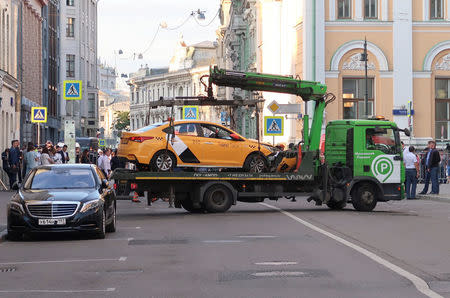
(31, 158)
(14, 162)
(432, 160)
(412, 172)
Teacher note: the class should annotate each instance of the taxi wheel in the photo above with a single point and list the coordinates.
(255, 163)
(163, 161)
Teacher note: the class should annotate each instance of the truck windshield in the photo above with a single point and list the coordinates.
(382, 139)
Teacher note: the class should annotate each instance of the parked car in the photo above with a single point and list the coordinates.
(61, 198)
(192, 144)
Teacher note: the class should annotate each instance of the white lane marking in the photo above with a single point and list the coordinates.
(64, 261)
(57, 291)
(419, 283)
(130, 239)
(256, 236)
(122, 259)
(278, 273)
(222, 241)
(276, 263)
(138, 228)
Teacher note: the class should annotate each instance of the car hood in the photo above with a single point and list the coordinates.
(74, 195)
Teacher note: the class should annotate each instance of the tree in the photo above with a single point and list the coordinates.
(121, 121)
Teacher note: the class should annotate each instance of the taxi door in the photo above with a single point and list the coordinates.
(218, 148)
(185, 143)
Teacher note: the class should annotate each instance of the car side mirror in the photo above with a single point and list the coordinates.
(15, 186)
(235, 137)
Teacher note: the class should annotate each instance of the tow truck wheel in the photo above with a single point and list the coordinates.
(187, 205)
(364, 197)
(255, 163)
(163, 161)
(217, 199)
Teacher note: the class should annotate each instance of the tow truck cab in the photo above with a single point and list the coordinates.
(371, 149)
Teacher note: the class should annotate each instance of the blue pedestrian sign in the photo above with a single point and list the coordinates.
(72, 90)
(39, 114)
(102, 143)
(190, 112)
(273, 125)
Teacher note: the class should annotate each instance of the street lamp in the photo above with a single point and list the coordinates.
(364, 57)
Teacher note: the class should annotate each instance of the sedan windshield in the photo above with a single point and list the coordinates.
(60, 179)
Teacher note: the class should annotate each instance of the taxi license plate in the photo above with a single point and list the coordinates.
(52, 221)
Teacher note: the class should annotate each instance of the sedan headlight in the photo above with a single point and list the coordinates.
(90, 205)
(270, 148)
(17, 207)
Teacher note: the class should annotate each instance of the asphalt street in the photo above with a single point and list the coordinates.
(254, 250)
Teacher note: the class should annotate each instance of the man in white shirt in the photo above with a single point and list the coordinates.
(104, 163)
(411, 173)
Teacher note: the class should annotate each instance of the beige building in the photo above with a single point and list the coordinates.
(111, 102)
(180, 79)
(322, 40)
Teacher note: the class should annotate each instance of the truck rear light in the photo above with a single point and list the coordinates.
(115, 186)
(140, 139)
(133, 186)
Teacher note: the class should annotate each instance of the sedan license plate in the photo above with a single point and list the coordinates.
(52, 221)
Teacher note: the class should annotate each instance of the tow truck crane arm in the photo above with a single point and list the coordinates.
(307, 90)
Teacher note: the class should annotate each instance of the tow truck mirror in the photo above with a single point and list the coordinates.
(235, 137)
(407, 132)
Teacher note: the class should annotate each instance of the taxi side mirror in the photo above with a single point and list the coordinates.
(235, 137)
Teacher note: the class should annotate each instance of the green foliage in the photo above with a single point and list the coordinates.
(121, 121)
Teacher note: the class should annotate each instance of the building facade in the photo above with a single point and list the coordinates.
(181, 78)
(79, 62)
(30, 66)
(9, 72)
(50, 71)
(409, 54)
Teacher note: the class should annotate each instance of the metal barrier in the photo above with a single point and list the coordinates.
(442, 173)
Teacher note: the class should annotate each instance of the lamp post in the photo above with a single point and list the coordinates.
(364, 57)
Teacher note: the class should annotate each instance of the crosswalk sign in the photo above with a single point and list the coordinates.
(39, 114)
(73, 89)
(101, 143)
(190, 112)
(273, 125)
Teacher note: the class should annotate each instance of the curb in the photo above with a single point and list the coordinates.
(434, 198)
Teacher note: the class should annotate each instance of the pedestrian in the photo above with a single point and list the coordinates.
(57, 155)
(432, 160)
(31, 158)
(85, 157)
(5, 162)
(447, 165)
(65, 158)
(14, 162)
(38, 153)
(412, 172)
(77, 154)
(104, 163)
(115, 161)
(46, 159)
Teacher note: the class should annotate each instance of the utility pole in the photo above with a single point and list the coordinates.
(364, 57)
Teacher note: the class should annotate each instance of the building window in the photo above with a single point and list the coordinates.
(436, 11)
(370, 9)
(442, 109)
(91, 105)
(70, 3)
(102, 118)
(353, 91)
(70, 28)
(70, 66)
(102, 103)
(344, 9)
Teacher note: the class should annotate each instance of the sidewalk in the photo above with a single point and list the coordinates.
(443, 196)
(5, 196)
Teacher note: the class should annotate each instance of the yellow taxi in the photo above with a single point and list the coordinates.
(191, 143)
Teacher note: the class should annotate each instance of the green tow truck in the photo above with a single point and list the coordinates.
(362, 161)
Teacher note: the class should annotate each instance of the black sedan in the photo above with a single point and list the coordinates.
(62, 198)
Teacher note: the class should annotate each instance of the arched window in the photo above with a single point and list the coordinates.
(180, 91)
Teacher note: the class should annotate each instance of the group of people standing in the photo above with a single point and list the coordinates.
(429, 162)
(106, 160)
(17, 162)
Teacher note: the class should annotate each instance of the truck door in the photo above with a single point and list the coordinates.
(380, 157)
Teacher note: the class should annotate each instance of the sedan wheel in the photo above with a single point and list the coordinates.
(111, 227)
(102, 233)
(255, 163)
(163, 162)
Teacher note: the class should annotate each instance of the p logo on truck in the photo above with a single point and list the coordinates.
(382, 168)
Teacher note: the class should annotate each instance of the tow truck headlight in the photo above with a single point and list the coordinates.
(17, 207)
(90, 205)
